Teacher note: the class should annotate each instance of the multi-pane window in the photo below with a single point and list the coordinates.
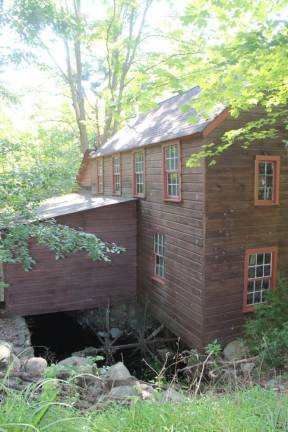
(267, 180)
(100, 175)
(116, 169)
(159, 254)
(172, 172)
(139, 173)
(260, 275)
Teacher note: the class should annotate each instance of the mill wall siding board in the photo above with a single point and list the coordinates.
(77, 282)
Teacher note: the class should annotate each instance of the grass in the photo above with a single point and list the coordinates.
(251, 410)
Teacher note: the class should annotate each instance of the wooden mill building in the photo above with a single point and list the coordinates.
(203, 244)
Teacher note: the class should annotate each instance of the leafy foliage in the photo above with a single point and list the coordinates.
(242, 63)
(267, 332)
(34, 165)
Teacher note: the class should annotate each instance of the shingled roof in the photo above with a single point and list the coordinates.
(166, 122)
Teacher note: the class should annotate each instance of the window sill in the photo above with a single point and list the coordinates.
(176, 200)
(266, 204)
(158, 280)
(139, 196)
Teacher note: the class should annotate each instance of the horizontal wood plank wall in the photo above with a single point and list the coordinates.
(177, 302)
(76, 282)
(234, 224)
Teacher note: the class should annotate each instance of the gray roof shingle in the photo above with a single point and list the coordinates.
(166, 122)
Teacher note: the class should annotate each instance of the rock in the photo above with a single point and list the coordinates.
(115, 332)
(275, 384)
(15, 364)
(80, 363)
(36, 366)
(88, 351)
(82, 405)
(171, 395)
(14, 383)
(123, 392)
(117, 374)
(73, 364)
(94, 391)
(145, 391)
(5, 354)
(235, 350)
(247, 368)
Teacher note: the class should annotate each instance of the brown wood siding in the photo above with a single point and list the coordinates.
(177, 303)
(76, 282)
(234, 224)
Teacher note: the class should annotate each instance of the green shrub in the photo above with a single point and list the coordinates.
(267, 330)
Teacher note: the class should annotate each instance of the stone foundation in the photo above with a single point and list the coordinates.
(15, 331)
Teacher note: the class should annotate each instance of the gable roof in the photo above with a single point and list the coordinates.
(166, 122)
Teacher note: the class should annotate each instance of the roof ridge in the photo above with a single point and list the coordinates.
(177, 95)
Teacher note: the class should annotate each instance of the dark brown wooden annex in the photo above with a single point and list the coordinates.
(76, 282)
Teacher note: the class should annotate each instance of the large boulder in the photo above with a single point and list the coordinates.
(235, 350)
(117, 374)
(35, 366)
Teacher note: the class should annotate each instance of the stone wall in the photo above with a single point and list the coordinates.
(16, 332)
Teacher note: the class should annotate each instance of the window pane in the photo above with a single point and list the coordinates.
(252, 259)
(262, 167)
(269, 167)
(268, 258)
(259, 271)
(257, 297)
(252, 272)
(267, 270)
(260, 258)
(251, 286)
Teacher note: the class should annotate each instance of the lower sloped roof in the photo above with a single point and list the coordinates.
(76, 202)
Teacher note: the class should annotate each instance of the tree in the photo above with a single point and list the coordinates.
(242, 63)
(106, 66)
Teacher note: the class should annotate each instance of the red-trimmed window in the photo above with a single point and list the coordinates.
(116, 174)
(100, 175)
(139, 173)
(260, 275)
(159, 256)
(267, 174)
(172, 172)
